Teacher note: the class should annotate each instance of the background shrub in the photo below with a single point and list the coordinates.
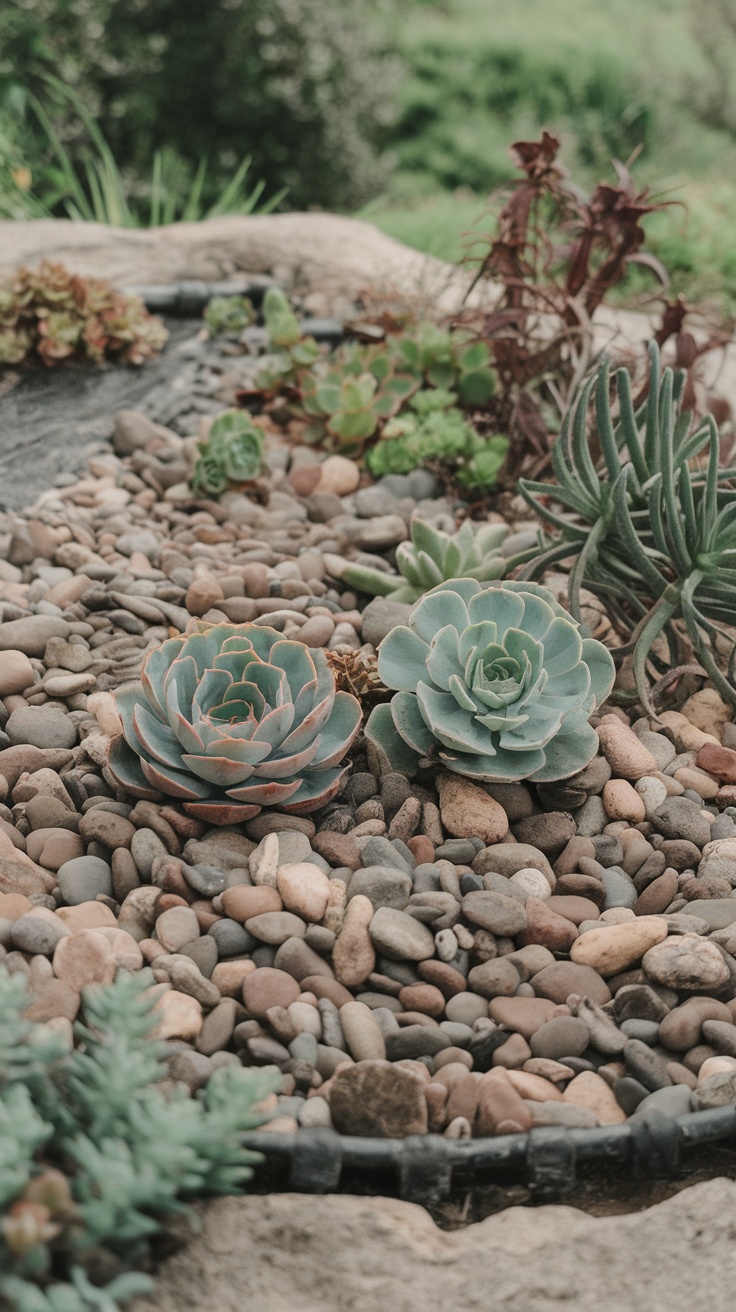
(304, 89)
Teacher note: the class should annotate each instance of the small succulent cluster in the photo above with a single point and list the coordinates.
(227, 316)
(412, 388)
(497, 684)
(434, 431)
(231, 454)
(346, 405)
(49, 315)
(453, 360)
(651, 525)
(295, 352)
(234, 719)
(93, 1157)
(431, 557)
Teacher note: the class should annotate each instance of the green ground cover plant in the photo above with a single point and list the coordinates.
(411, 396)
(94, 1157)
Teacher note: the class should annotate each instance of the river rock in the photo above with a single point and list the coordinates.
(686, 963)
(613, 948)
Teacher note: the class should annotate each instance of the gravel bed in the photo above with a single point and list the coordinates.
(435, 956)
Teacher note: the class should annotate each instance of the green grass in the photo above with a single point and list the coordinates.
(606, 78)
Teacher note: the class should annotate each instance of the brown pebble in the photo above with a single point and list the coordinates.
(574, 909)
(512, 1054)
(84, 958)
(421, 848)
(444, 976)
(265, 988)
(522, 1015)
(558, 981)
(546, 928)
(500, 1108)
(339, 849)
(423, 998)
(353, 955)
(657, 896)
(244, 901)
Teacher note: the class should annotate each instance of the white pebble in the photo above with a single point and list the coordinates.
(446, 944)
(531, 882)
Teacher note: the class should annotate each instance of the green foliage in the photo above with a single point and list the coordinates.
(347, 408)
(93, 1157)
(267, 704)
(48, 315)
(279, 319)
(303, 89)
(88, 184)
(430, 558)
(651, 527)
(232, 453)
(227, 316)
(435, 430)
(362, 391)
(495, 683)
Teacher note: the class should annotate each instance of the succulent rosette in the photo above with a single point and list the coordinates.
(496, 683)
(234, 719)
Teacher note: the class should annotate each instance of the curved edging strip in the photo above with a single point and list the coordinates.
(546, 1158)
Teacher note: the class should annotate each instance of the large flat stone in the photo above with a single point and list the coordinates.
(280, 1253)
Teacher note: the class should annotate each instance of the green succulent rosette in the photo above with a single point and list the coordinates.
(496, 683)
(232, 720)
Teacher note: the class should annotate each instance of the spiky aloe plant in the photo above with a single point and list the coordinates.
(495, 683)
(430, 558)
(232, 720)
(653, 533)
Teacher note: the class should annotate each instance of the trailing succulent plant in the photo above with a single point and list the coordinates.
(234, 719)
(232, 453)
(495, 683)
(94, 1157)
(653, 529)
(227, 316)
(434, 430)
(430, 558)
(48, 315)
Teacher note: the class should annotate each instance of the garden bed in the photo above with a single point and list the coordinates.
(500, 979)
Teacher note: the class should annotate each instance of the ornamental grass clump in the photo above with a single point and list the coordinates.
(495, 683)
(232, 720)
(651, 525)
(430, 558)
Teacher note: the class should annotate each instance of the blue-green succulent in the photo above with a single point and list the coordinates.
(496, 683)
(232, 720)
(428, 559)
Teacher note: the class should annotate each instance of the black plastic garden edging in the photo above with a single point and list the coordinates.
(545, 1159)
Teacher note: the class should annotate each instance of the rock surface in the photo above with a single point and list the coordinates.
(339, 1253)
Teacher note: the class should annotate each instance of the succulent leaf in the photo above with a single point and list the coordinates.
(496, 683)
(234, 719)
(431, 557)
